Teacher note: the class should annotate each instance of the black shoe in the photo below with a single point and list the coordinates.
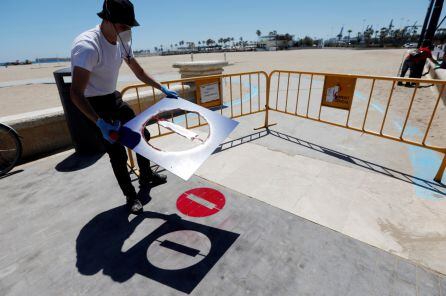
(400, 83)
(135, 205)
(155, 180)
(158, 179)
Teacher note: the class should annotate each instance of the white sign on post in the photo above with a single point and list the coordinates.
(210, 92)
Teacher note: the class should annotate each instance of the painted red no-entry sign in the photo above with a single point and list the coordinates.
(201, 202)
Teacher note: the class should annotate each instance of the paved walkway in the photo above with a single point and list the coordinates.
(64, 231)
(374, 190)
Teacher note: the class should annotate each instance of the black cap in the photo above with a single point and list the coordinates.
(119, 11)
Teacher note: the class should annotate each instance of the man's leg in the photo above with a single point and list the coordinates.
(416, 71)
(405, 68)
(147, 177)
(107, 108)
(118, 160)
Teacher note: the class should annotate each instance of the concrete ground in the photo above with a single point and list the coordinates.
(310, 210)
(64, 231)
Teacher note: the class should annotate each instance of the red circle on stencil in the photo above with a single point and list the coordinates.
(201, 202)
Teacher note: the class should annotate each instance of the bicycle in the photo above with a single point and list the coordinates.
(10, 148)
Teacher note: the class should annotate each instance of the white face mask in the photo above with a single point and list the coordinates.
(126, 40)
(126, 37)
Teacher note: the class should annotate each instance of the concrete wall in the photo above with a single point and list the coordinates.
(45, 131)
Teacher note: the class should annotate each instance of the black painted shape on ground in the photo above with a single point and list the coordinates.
(77, 162)
(180, 248)
(100, 242)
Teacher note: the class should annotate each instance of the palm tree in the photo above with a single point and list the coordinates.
(349, 32)
(258, 33)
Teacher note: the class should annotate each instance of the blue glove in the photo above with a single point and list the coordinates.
(169, 93)
(107, 128)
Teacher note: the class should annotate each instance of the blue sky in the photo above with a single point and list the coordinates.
(46, 28)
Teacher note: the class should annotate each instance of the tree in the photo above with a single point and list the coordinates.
(258, 33)
(383, 35)
(209, 42)
(288, 37)
(349, 32)
(368, 36)
(339, 37)
(307, 41)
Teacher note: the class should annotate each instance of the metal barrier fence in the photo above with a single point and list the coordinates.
(379, 106)
(241, 94)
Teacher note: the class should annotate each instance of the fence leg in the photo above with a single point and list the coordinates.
(266, 124)
(131, 163)
(440, 173)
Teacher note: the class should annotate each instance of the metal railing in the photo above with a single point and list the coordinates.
(378, 101)
(379, 107)
(241, 93)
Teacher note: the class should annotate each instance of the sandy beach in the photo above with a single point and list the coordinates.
(29, 88)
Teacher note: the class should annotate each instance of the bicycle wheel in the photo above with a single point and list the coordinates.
(10, 149)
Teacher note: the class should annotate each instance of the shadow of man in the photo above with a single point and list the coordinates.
(100, 243)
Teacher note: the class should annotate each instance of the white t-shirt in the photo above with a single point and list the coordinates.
(92, 52)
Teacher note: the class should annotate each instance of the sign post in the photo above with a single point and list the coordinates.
(338, 92)
(209, 92)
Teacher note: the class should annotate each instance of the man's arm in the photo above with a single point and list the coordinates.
(79, 83)
(141, 74)
(434, 61)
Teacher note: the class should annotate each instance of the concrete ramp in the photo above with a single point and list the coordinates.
(401, 213)
(381, 211)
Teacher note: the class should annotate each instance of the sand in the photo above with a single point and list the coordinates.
(32, 88)
(26, 98)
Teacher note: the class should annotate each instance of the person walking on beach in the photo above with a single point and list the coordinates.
(416, 60)
(96, 58)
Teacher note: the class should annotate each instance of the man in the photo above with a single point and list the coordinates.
(96, 57)
(416, 60)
